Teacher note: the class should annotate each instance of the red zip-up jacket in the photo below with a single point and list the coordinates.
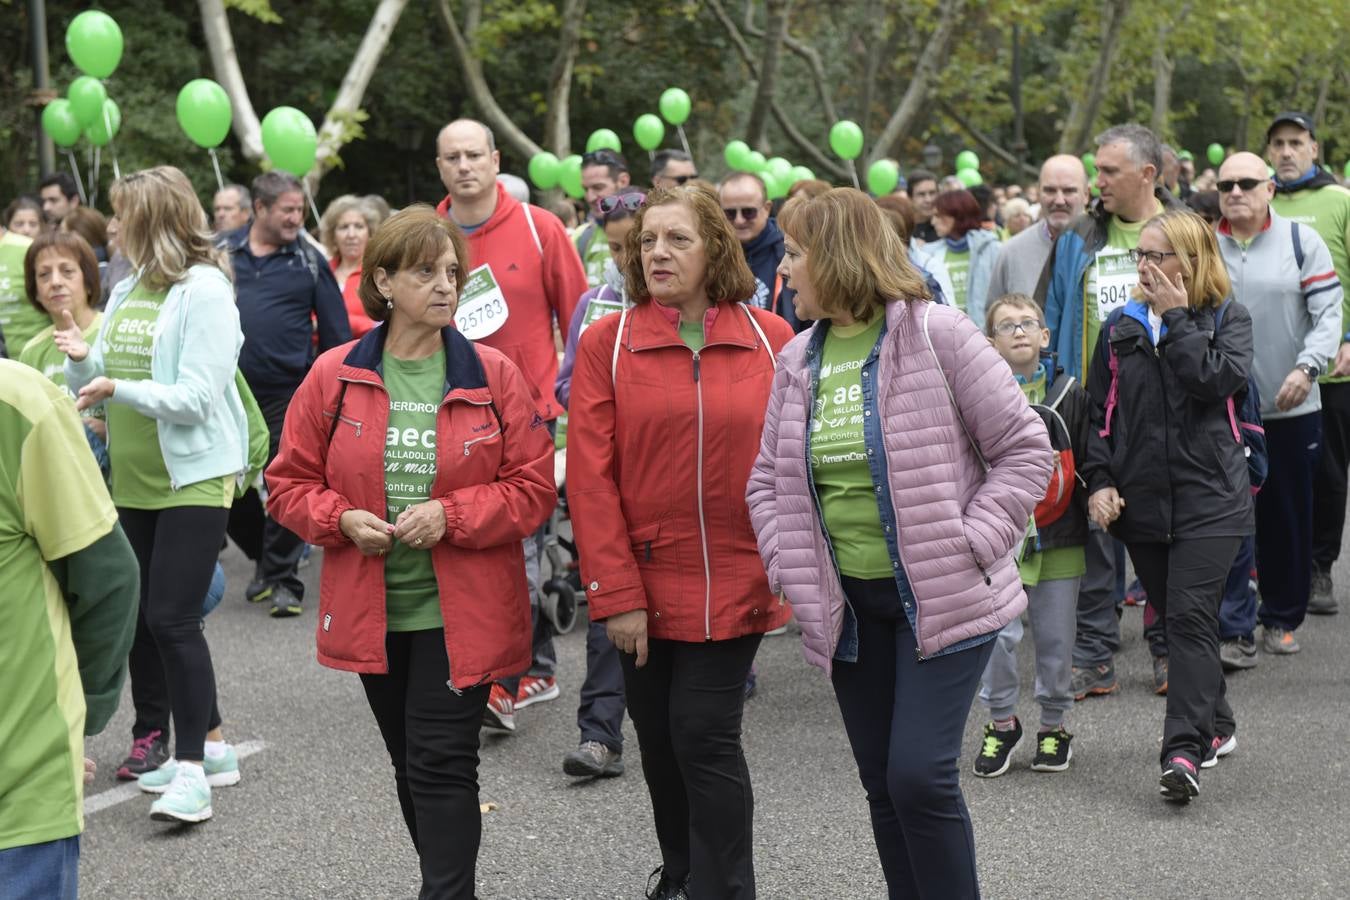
(494, 476)
(658, 456)
(541, 281)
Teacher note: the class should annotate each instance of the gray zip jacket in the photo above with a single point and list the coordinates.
(1296, 308)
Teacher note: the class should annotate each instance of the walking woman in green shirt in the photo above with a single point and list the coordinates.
(164, 363)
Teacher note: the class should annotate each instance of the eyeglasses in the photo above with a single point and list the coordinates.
(748, 213)
(1247, 184)
(1027, 326)
(1154, 256)
(631, 201)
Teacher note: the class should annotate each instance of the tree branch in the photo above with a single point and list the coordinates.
(806, 52)
(557, 128)
(776, 23)
(985, 140)
(225, 64)
(930, 61)
(1086, 106)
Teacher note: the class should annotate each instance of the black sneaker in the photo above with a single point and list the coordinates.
(1221, 746)
(284, 603)
(996, 754)
(1052, 751)
(661, 886)
(147, 754)
(593, 760)
(258, 589)
(1094, 681)
(1180, 780)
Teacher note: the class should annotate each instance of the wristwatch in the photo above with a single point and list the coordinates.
(1310, 370)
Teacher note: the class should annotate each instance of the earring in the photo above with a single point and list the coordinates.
(388, 304)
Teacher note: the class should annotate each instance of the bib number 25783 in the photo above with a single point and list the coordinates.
(482, 305)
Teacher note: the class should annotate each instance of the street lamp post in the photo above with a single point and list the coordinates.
(932, 158)
(37, 37)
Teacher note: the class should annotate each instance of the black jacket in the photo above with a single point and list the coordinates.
(1066, 412)
(1171, 453)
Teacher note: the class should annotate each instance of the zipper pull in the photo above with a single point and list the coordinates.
(696, 366)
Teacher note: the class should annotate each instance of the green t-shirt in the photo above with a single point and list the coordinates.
(1327, 211)
(19, 318)
(958, 269)
(139, 477)
(596, 254)
(415, 387)
(692, 335)
(1111, 278)
(848, 502)
(1060, 562)
(52, 504)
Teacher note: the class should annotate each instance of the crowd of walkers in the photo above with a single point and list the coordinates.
(915, 425)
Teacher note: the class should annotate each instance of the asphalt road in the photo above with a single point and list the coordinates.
(316, 816)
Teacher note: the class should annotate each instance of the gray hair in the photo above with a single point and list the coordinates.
(754, 177)
(340, 207)
(1145, 149)
(664, 158)
(269, 186)
(242, 195)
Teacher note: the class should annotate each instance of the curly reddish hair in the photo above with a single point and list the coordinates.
(964, 211)
(728, 278)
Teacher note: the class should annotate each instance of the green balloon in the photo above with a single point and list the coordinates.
(204, 112)
(569, 176)
(94, 42)
(603, 138)
(801, 173)
(737, 155)
(882, 177)
(106, 125)
(1214, 153)
(1089, 161)
(60, 123)
(674, 106)
(755, 161)
(1186, 154)
(86, 99)
(846, 139)
(290, 141)
(544, 170)
(776, 188)
(970, 177)
(779, 167)
(967, 159)
(1346, 171)
(649, 131)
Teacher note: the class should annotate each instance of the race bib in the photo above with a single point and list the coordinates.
(482, 305)
(597, 310)
(1116, 277)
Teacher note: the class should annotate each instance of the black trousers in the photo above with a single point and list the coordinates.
(600, 712)
(431, 733)
(1284, 520)
(686, 705)
(905, 718)
(1329, 493)
(1185, 583)
(176, 549)
(274, 549)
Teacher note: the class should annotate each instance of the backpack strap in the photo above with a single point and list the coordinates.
(587, 238)
(337, 413)
(534, 232)
(1113, 392)
(951, 395)
(1218, 319)
(1298, 245)
(618, 342)
(773, 360)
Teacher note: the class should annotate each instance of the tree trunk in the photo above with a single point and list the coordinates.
(557, 130)
(872, 41)
(1086, 105)
(986, 141)
(225, 64)
(1319, 113)
(337, 129)
(1163, 67)
(930, 61)
(775, 31)
(476, 84)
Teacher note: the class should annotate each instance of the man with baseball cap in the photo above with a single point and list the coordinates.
(1309, 195)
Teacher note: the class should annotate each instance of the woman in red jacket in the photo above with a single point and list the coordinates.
(667, 405)
(423, 583)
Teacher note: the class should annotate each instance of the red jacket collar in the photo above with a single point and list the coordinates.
(506, 204)
(651, 325)
(1225, 228)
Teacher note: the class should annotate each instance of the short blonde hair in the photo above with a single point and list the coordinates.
(854, 258)
(337, 209)
(728, 275)
(1016, 301)
(413, 236)
(1197, 250)
(164, 229)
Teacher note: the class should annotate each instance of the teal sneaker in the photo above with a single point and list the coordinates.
(223, 772)
(187, 798)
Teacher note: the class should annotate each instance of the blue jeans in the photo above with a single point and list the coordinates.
(49, 871)
(1237, 614)
(905, 718)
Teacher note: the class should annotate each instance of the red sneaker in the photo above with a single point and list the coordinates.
(500, 713)
(536, 690)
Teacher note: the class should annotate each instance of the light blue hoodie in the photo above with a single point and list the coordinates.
(191, 393)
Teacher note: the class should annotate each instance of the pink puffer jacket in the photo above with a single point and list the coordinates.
(958, 526)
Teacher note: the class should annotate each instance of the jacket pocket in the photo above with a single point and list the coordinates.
(478, 443)
(343, 421)
(642, 540)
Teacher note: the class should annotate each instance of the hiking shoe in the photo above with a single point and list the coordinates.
(1180, 780)
(1052, 751)
(1219, 747)
(147, 754)
(593, 760)
(1279, 641)
(187, 798)
(996, 754)
(1322, 600)
(661, 886)
(1238, 653)
(284, 603)
(536, 690)
(1136, 595)
(258, 589)
(1160, 676)
(500, 712)
(222, 772)
(1094, 681)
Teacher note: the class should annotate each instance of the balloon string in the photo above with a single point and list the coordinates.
(93, 190)
(215, 162)
(117, 170)
(313, 207)
(684, 141)
(853, 170)
(75, 170)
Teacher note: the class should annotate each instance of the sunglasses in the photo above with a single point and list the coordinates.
(631, 201)
(604, 157)
(1247, 184)
(682, 179)
(748, 213)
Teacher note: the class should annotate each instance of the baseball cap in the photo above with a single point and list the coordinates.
(1302, 120)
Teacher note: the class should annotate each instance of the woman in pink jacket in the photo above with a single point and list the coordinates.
(899, 467)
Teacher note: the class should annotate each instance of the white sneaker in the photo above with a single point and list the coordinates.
(187, 799)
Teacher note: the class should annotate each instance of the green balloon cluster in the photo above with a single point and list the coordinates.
(969, 177)
(94, 42)
(59, 121)
(86, 95)
(882, 177)
(737, 155)
(966, 160)
(801, 173)
(289, 138)
(544, 170)
(649, 131)
(204, 112)
(105, 125)
(569, 176)
(1346, 171)
(1214, 153)
(674, 106)
(846, 139)
(603, 139)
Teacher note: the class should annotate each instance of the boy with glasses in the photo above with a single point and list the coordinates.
(1053, 560)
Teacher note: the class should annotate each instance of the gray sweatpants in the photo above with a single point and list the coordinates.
(1052, 610)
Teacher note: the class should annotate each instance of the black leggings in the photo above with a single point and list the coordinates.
(431, 734)
(177, 550)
